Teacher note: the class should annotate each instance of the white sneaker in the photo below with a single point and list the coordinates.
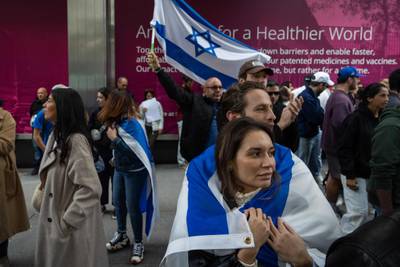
(119, 241)
(137, 253)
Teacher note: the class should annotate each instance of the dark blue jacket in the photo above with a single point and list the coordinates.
(125, 160)
(311, 115)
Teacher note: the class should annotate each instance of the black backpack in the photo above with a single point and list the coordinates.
(376, 243)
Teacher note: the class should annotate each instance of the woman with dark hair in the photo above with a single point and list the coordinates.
(70, 222)
(13, 213)
(134, 188)
(354, 152)
(245, 184)
(244, 150)
(102, 147)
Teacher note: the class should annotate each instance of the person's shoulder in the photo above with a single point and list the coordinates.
(303, 92)
(40, 114)
(78, 139)
(205, 162)
(341, 99)
(5, 115)
(39, 119)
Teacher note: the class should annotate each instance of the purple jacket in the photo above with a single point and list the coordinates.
(337, 108)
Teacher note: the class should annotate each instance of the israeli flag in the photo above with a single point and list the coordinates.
(204, 221)
(197, 48)
(133, 134)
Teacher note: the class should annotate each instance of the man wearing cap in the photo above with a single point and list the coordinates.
(310, 121)
(199, 129)
(337, 108)
(254, 71)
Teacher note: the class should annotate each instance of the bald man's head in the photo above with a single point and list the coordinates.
(212, 89)
(122, 83)
(41, 94)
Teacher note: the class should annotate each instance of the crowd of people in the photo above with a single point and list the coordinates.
(254, 193)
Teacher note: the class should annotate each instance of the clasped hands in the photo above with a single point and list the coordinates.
(289, 246)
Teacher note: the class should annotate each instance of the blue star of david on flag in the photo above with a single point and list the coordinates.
(196, 47)
(197, 36)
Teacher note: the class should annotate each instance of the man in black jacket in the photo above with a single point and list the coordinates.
(199, 129)
(41, 98)
(289, 137)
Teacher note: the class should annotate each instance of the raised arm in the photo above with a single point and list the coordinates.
(182, 97)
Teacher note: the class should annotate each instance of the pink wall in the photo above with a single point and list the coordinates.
(34, 42)
(33, 52)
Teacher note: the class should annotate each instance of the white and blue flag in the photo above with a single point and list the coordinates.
(196, 47)
(133, 134)
(204, 221)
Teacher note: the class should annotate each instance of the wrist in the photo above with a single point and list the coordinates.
(247, 255)
(305, 261)
(282, 125)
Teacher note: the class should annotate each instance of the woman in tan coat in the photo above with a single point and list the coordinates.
(70, 222)
(13, 214)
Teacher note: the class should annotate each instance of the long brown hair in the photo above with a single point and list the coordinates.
(228, 143)
(119, 105)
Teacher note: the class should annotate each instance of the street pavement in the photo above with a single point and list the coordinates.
(169, 177)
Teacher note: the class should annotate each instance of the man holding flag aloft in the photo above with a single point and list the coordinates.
(199, 129)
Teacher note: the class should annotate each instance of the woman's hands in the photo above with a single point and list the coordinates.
(288, 245)
(260, 228)
(112, 132)
(283, 240)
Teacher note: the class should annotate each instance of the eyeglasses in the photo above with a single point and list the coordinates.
(274, 93)
(216, 87)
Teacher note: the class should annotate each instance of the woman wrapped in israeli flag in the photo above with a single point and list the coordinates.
(250, 202)
(134, 181)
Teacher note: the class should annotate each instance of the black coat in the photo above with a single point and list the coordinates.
(197, 116)
(374, 244)
(288, 137)
(36, 106)
(103, 146)
(354, 147)
(200, 258)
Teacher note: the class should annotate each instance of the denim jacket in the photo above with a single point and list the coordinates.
(125, 159)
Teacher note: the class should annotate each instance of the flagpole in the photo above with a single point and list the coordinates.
(153, 37)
